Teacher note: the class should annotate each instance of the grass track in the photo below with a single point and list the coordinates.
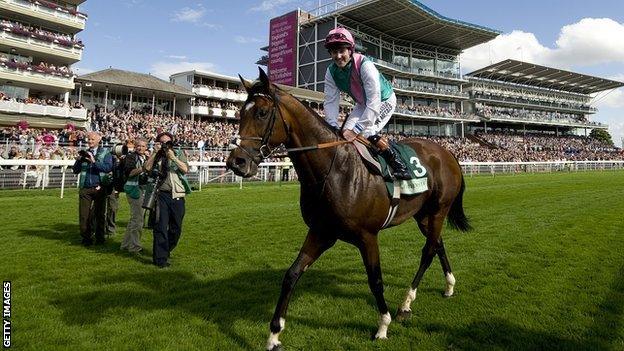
(544, 269)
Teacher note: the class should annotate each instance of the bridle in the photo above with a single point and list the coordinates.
(265, 150)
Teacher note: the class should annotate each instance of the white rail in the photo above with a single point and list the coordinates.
(42, 174)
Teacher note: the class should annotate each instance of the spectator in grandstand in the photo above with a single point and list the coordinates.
(170, 207)
(373, 94)
(135, 192)
(93, 165)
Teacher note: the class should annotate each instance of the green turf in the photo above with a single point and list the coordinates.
(543, 270)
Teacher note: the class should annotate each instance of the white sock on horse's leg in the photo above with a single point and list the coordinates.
(450, 284)
(384, 322)
(409, 298)
(274, 337)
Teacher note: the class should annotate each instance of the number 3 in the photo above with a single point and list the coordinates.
(420, 170)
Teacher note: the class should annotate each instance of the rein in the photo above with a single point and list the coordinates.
(265, 150)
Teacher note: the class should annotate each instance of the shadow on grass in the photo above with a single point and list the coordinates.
(69, 234)
(498, 334)
(249, 296)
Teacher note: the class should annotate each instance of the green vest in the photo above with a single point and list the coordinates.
(131, 187)
(105, 178)
(349, 79)
(173, 167)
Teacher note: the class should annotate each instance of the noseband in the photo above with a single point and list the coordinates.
(265, 150)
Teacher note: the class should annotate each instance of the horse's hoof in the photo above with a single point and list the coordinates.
(277, 348)
(444, 295)
(402, 316)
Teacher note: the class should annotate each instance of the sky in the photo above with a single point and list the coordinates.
(162, 37)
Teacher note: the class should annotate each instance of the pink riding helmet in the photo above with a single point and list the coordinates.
(339, 36)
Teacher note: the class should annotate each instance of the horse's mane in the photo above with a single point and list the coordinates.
(259, 88)
(327, 126)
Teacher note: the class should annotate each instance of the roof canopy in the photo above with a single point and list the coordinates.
(519, 72)
(411, 21)
(133, 80)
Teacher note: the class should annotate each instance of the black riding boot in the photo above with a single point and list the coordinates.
(396, 163)
(399, 170)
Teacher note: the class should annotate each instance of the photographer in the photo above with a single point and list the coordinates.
(93, 164)
(135, 191)
(171, 166)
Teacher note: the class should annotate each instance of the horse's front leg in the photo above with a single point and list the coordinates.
(369, 248)
(312, 248)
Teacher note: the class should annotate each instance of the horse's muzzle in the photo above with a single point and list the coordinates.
(240, 163)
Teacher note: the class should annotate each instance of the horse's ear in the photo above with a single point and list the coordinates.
(264, 79)
(246, 83)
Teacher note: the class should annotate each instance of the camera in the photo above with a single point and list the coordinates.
(84, 155)
(120, 150)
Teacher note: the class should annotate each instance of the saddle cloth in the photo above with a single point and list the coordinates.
(377, 165)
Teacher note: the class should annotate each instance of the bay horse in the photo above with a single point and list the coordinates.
(340, 198)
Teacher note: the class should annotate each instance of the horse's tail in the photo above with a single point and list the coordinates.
(456, 217)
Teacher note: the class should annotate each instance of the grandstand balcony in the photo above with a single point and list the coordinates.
(22, 110)
(411, 72)
(213, 111)
(37, 47)
(423, 91)
(546, 122)
(229, 113)
(45, 13)
(542, 105)
(220, 94)
(33, 77)
(445, 118)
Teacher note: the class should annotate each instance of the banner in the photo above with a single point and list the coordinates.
(283, 48)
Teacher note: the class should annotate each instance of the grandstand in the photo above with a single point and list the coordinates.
(416, 48)
(114, 89)
(38, 45)
(516, 95)
(219, 96)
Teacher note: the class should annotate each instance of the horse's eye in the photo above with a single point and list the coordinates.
(262, 113)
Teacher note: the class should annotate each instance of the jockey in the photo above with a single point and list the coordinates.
(374, 98)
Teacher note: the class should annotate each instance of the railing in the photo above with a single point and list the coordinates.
(543, 120)
(29, 72)
(51, 9)
(429, 91)
(210, 92)
(42, 44)
(447, 117)
(213, 111)
(327, 9)
(551, 105)
(417, 71)
(15, 107)
(42, 174)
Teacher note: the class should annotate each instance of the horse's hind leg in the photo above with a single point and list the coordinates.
(431, 227)
(312, 248)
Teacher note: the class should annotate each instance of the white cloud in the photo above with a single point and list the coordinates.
(163, 69)
(590, 41)
(246, 40)
(187, 14)
(177, 57)
(270, 5)
(611, 98)
(616, 129)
